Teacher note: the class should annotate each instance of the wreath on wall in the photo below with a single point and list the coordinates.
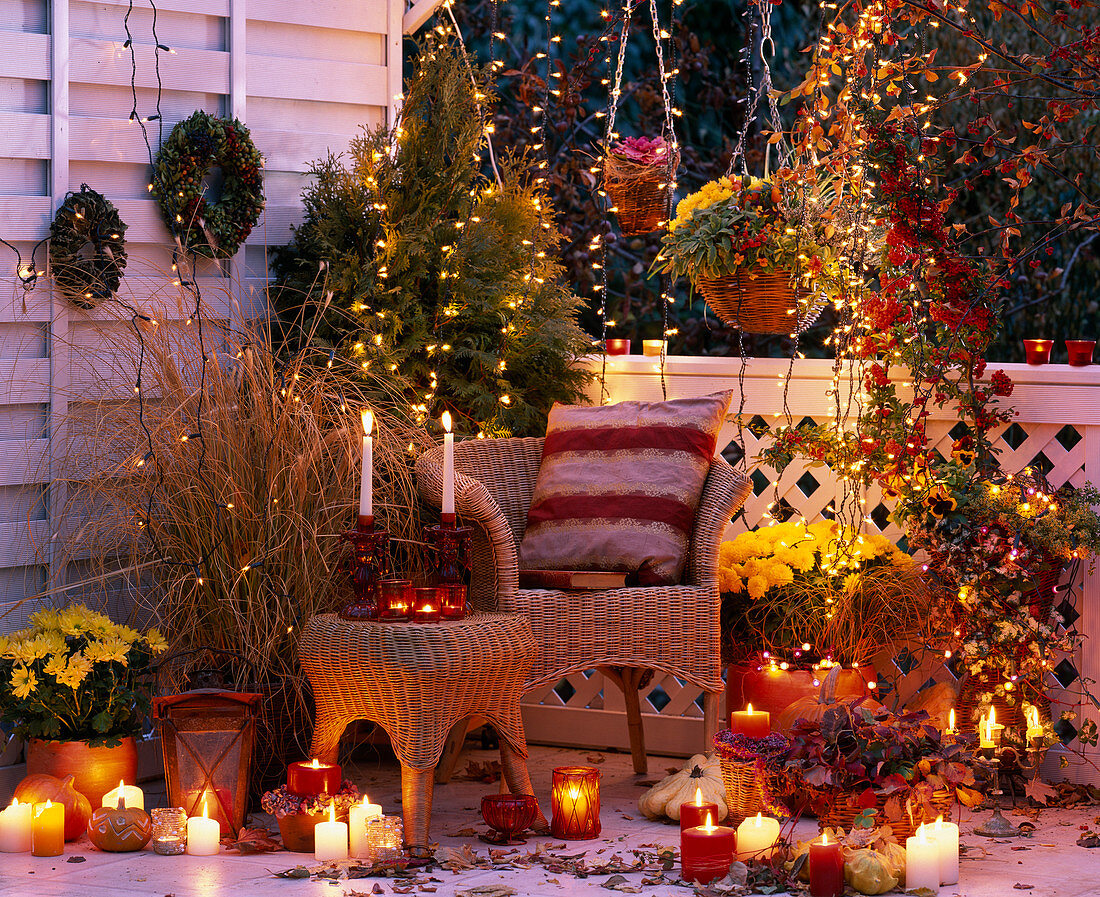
(87, 247)
(214, 229)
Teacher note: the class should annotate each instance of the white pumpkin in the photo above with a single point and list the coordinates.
(700, 771)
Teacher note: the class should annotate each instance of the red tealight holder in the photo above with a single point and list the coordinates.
(575, 802)
(313, 777)
(1038, 350)
(617, 346)
(452, 599)
(426, 604)
(395, 600)
(508, 815)
(1080, 351)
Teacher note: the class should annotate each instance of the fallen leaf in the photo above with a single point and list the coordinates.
(620, 883)
(1020, 886)
(1039, 791)
(488, 891)
(464, 833)
(488, 772)
(595, 758)
(296, 872)
(79, 860)
(252, 840)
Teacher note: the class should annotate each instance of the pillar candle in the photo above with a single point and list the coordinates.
(331, 838)
(922, 861)
(448, 466)
(753, 723)
(132, 794)
(756, 837)
(1034, 726)
(358, 815)
(694, 812)
(366, 484)
(989, 731)
(313, 777)
(826, 864)
(706, 852)
(947, 840)
(203, 834)
(15, 828)
(48, 830)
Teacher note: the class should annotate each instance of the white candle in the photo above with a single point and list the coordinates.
(331, 838)
(203, 834)
(134, 796)
(922, 862)
(756, 837)
(366, 484)
(989, 731)
(1034, 726)
(357, 825)
(947, 839)
(15, 828)
(448, 465)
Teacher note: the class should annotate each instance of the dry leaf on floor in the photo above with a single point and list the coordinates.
(488, 772)
(595, 758)
(296, 872)
(488, 891)
(252, 840)
(621, 883)
(1020, 886)
(459, 859)
(464, 833)
(1039, 791)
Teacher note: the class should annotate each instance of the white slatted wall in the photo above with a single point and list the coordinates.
(304, 76)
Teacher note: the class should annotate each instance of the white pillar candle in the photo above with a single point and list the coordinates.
(947, 839)
(1034, 725)
(331, 838)
(448, 465)
(203, 834)
(15, 828)
(134, 796)
(756, 837)
(922, 862)
(358, 815)
(366, 484)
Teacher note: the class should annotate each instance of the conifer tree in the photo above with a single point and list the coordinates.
(439, 275)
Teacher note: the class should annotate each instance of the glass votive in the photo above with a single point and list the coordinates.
(395, 600)
(426, 604)
(1080, 351)
(1038, 350)
(169, 831)
(653, 346)
(617, 346)
(385, 839)
(452, 598)
(575, 802)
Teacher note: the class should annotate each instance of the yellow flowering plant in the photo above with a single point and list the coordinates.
(805, 593)
(75, 675)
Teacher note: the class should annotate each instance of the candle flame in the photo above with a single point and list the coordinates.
(316, 765)
(992, 716)
(15, 801)
(121, 785)
(824, 839)
(366, 801)
(922, 835)
(759, 820)
(332, 811)
(446, 420)
(1034, 713)
(951, 719)
(574, 792)
(749, 709)
(698, 797)
(368, 420)
(205, 814)
(709, 826)
(939, 822)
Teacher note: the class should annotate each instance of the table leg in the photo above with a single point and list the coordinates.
(416, 808)
(514, 765)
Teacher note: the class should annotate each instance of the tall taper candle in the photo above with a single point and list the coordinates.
(366, 486)
(448, 465)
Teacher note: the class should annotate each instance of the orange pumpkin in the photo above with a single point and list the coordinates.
(814, 706)
(39, 787)
(121, 828)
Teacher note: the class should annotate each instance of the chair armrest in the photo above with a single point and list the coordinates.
(495, 558)
(724, 492)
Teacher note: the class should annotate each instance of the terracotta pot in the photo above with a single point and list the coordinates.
(297, 830)
(95, 770)
(775, 690)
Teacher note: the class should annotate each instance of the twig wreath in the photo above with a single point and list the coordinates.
(195, 146)
(87, 247)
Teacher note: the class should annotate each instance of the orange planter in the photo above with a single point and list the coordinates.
(775, 690)
(95, 770)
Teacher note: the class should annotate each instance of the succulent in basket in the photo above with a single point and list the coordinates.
(890, 764)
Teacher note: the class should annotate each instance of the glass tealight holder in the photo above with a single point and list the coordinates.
(452, 599)
(169, 831)
(385, 840)
(395, 600)
(426, 604)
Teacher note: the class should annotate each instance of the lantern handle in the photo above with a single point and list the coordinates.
(212, 674)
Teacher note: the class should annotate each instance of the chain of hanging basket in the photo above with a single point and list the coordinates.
(87, 247)
(195, 146)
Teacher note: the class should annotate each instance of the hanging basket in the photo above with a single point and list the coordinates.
(1009, 715)
(760, 300)
(639, 193)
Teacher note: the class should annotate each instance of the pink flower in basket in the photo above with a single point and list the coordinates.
(644, 150)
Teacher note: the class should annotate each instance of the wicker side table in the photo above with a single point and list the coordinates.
(417, 681)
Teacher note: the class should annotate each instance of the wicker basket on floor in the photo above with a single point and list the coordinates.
(760, 300)
(844, 810)
(744, 790)
(640, 193)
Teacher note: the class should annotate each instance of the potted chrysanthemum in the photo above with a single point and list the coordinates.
(638, 175)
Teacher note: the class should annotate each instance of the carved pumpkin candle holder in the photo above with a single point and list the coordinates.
(120, 829)
(575, 802)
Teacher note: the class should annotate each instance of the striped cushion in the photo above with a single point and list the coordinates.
(618, 487)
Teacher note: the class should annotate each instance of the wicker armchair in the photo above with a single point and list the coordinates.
(625, 633)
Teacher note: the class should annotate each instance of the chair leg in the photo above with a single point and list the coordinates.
(710, 719)
(630, 680)
(452, 750)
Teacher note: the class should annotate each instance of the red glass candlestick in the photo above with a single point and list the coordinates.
(575, 802)
(826, 869)
(706, 852)
(1038, 350)
(452, 550)
(371, 563)
(1080, 351)
(313, 777)
(695, 812)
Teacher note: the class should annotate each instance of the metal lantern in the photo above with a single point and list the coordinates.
(207, 736)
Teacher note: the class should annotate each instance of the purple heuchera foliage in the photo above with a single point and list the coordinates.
(646, 150)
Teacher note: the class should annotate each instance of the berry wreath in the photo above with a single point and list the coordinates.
(211, 229)
(87, 219)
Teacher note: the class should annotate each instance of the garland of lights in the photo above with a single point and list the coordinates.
(87, 219)
(203, 141)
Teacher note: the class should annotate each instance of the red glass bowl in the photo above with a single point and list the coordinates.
(1080, 351)
(508, 815)
(1038, 350)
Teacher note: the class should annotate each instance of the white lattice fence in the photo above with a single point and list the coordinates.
(1057, 432)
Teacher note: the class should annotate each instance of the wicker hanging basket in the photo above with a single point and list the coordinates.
(844, 809)
(639, 193)
(760, 300)
(1009, 715)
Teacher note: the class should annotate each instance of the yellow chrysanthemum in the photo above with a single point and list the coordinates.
(23, 682)
(780, 575)
(729, 581)
(851, 583)
(110, 648)
(55, 666)
(45, 620)
(76, 671)
(757, 586)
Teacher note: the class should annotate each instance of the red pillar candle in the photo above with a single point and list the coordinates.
(706, 852)
(313, 777)
(694, 812)
(752, 723)
(826, 869)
